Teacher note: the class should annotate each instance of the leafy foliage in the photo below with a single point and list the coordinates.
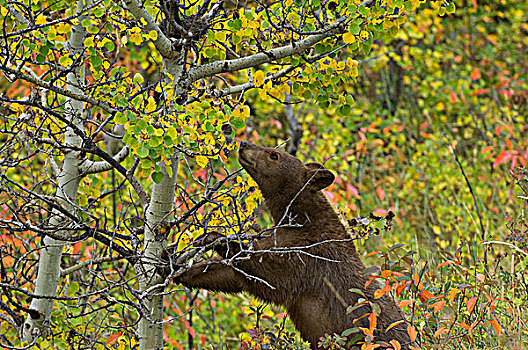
(419, 109)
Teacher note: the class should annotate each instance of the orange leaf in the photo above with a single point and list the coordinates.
(475, 75)
(439, 305)
(463, 325)
(400, 289)
(380, 193)
(472, 327)
(386, 273)
(373, 321)
(404, 303)
(480, 92)
(425, 295)
(112, 338)
(393, 325)
(373, 253)
(471, 304)
(77, 247)
(379, 293)
(395, 344)
(496, 325)
(452, 294)
(412, 332)
(416, 279)
(445, 263)
(440, 331)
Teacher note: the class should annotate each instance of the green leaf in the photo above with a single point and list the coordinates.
(120, 118)
(72, 289)
(367, 46)
(349, 331)
(142, 152)
(238, 123)
(354, 29)
(365, 11)
(345, 110)
(96, 60)
(358, 291)
(158, 177)
(141, 124)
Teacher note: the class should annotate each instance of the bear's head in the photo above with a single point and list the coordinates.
(281, 175)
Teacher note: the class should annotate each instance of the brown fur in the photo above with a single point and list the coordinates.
(314, 291)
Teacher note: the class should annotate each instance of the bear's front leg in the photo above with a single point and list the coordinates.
(213, 275)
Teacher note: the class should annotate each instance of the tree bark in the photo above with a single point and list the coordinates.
(68, 181)
(150, 329)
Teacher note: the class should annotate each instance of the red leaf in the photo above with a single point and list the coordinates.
(453, 96)
(189, 328)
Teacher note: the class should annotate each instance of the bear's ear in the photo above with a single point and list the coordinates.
(318, 176)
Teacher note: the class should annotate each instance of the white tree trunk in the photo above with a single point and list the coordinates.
(150, 330)
(67, 183)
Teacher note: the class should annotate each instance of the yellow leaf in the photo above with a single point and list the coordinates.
(151, 105)
(263, 95)
(349, 38)
(41, 19)
(258, 78)
(153, 35)
(364, 35)
(88, 42)
(183, 242)
(136, 38)
(202, 161)
(221, 36)
(138, 78)
(63, 28)
(274, 92)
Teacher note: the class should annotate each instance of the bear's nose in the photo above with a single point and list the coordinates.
(243, 144)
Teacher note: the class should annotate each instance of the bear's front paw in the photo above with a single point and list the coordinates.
(207, 239)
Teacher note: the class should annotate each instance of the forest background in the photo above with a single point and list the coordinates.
(108, 108)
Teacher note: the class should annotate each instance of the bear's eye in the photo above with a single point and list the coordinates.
(274, 156)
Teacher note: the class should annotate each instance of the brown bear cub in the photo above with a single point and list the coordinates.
(318, 265)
